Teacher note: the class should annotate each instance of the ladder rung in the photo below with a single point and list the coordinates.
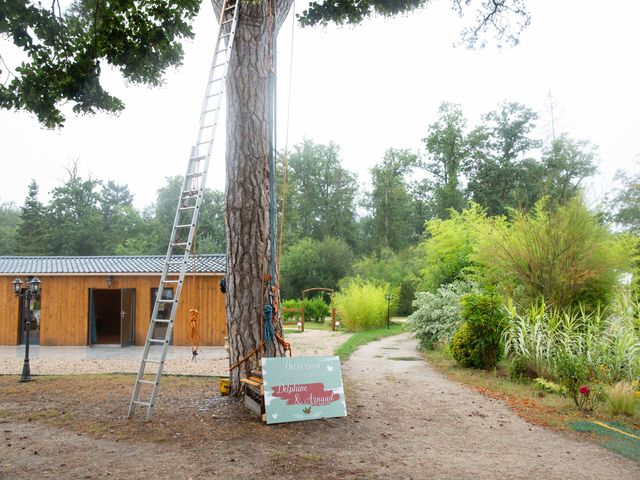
(191, 198)
(147, 382)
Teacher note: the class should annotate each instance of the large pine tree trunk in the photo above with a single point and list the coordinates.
(247, 178)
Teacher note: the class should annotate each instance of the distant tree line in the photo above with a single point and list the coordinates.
(333, 227)
(86, 216)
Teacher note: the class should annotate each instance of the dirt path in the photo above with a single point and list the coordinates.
(405, 421)
(440, 429)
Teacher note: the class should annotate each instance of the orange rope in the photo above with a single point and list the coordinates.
(286, 345)
(193, 334)
(251, 354)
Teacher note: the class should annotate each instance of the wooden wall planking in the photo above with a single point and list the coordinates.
(9, 306)
(65, 308)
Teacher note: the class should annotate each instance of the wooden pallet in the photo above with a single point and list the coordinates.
(254, 395)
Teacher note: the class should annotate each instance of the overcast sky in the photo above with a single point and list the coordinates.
(366, 88)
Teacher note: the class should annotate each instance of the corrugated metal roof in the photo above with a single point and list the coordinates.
(103, 264)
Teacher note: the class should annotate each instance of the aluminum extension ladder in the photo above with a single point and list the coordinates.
(179, 251)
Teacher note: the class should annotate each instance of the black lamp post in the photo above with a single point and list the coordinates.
(388, 297)
(26, 291)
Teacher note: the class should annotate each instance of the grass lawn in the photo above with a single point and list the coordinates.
(326, 325)
(358, 339)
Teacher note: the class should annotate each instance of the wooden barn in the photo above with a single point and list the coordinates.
(106, 300)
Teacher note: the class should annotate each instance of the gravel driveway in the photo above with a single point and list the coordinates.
(115, 359)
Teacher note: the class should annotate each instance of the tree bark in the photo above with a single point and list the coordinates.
(247, 178)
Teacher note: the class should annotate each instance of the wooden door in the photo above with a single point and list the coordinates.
(127, 316)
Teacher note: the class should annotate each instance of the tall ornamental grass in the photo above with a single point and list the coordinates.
(605, 343)
(564, 256)
(362, 305)
(622, 399)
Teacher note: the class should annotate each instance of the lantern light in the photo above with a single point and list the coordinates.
(34, 286)
(17, 286)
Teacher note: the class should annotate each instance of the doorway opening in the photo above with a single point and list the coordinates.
(112, 316)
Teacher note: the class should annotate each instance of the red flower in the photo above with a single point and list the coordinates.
(584, 390)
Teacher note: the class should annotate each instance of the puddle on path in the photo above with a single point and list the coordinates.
(406, 359)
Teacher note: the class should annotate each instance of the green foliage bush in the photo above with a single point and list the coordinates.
(519, 369)
(564, 257)
(463, 348)
(437, 315)
(362, 305)
(486, 318)
(315, 309)
(449, 246)
(400, 269)
(546, 386)
(311, 263)
(291, 316)
(572, 372)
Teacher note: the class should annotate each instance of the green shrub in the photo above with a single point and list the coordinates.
(312, 263)
(547, 386)
(362, 305)
(564, 256)
(622, 399)
(449, 246)
(519, 369)
(400, 269)
(572, 372)
(291, 316)
(463, 348)
(437, 315)
(486, 318)
(315, 310)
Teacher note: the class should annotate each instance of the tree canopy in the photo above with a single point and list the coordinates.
(65, 51)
